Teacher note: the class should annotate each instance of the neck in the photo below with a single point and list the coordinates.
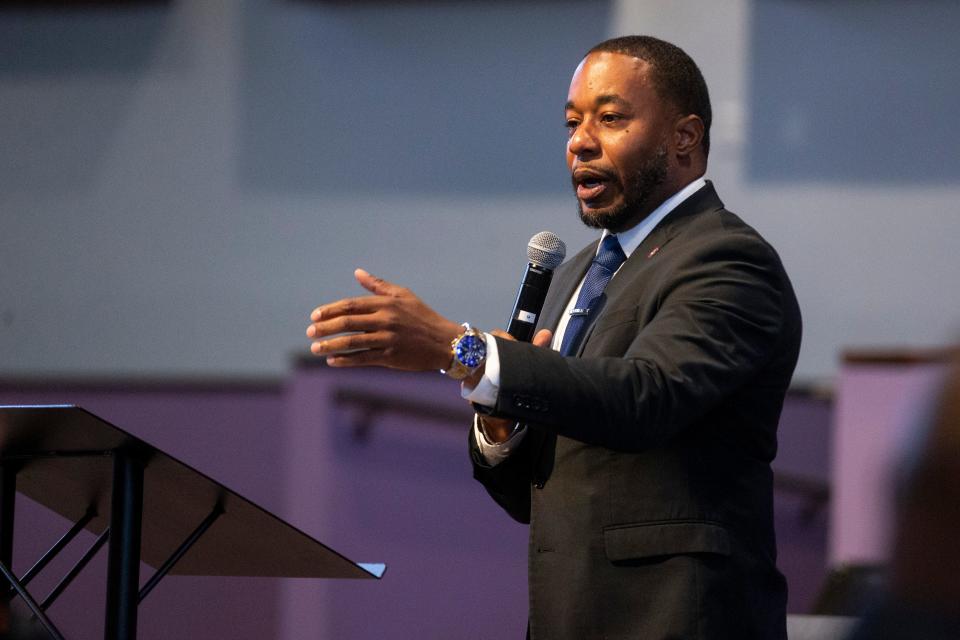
(665, 191)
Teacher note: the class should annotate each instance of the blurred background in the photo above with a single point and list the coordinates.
(182, 182)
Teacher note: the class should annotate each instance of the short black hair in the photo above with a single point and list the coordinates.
(676, 77)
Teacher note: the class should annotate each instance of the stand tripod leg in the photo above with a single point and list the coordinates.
(8, 499)
(123, 564)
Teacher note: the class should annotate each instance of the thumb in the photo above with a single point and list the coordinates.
(376, 285)
(543, 338)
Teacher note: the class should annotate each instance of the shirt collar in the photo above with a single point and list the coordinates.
(631, 238)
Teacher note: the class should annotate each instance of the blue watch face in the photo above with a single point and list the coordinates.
(470, 351)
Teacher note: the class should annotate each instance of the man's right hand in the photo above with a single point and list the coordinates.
(498, 430)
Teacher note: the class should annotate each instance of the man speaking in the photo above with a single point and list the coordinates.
(635, 434)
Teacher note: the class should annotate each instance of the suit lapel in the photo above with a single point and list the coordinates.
(569, 275)
(650, 249)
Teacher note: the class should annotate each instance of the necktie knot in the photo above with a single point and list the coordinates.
(611, 254)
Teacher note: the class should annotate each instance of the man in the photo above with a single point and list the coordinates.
(638, 448)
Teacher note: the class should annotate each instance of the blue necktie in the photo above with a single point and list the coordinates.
(604, 265)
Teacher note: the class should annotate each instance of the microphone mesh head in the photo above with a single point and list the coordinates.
(546, 250)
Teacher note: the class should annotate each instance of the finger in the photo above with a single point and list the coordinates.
(543, 338)
(377, 285)
(358, 359)
(351, 342)
(500, 333)
(347, 307)
(345, 324)
(496, 423)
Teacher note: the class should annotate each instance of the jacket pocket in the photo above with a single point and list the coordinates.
(634, 541)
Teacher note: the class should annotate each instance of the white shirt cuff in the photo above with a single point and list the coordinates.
(496, 452)
(485, 393)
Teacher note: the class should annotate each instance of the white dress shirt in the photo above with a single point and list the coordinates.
(486, 391)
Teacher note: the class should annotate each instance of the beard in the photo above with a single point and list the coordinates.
(637, 190)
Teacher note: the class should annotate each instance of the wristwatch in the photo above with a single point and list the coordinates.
(468, 353)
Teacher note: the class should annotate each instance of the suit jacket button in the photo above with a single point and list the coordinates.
(538, 485)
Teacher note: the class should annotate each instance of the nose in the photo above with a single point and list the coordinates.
(582, 142)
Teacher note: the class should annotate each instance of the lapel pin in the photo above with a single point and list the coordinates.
(653, 252)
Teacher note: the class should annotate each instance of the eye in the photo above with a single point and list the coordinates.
(572, 123)
(610, 118)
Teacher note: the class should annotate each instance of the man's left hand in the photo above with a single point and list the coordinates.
(391, 328)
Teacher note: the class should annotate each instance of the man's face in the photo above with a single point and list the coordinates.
(619, 141)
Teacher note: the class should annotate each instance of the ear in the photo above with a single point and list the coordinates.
(688, 134)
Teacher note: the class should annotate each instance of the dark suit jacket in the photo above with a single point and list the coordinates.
(645, 475)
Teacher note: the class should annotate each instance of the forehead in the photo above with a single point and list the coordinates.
(604, 74)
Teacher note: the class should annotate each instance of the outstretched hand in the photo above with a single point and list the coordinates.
(391, 328)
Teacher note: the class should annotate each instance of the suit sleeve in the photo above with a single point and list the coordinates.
(508, 482)
(717, 323)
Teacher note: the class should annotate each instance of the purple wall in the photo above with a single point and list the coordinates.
(392, 486)
(878, 405)
(803, 454)
(403, 494)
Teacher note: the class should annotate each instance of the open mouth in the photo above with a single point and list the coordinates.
(590, 189)
(590, 184)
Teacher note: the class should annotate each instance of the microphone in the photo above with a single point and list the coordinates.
(545, 252)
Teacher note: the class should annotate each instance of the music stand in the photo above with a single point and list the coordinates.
(146, 506)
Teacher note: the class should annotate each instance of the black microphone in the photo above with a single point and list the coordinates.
(545, 251)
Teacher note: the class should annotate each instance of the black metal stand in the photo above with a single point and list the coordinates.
(123, 563)
(58, 454)
(75, 571)
(8, 498)
(181, 551)
(58, 547)
(8, 501)
(123, 566)
(34, 607)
